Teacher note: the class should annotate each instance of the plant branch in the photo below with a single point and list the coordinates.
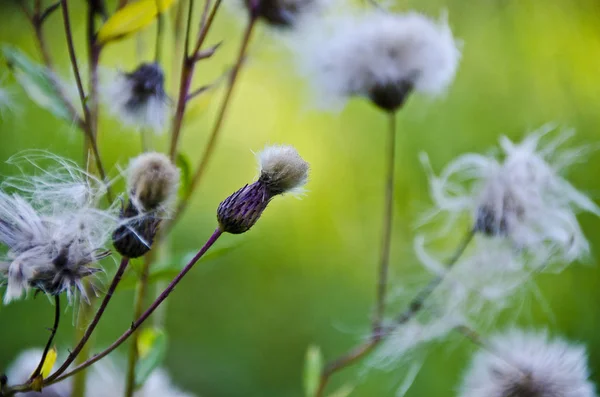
(377, 336)
(210, 146)
(53, 330)
(135, 325)
(137, 312)
(187, 67)
(93, 324)
(89, 129)
(388, 217)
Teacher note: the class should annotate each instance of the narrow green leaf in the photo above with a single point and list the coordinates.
(183, 163)
(37, 81)
(313, 366)
(343, 391)
(152, 348)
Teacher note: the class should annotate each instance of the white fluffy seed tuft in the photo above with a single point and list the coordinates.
(528, 364)
(282, 169)
(377, 55)
(152, 181)
(138, 98)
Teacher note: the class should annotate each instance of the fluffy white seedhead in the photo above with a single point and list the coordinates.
(138, 98)
(381, 56)
(152, 181)
(528, 364)
(282, 169)
(520, 196)
(107, 378)
(52, 228)
(23, 366)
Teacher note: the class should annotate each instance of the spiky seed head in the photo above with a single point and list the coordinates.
(282, 169)
(152, 181)
(528, 364)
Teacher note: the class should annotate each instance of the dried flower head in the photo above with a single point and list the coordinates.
(281, 13)
(281, 170)
(152, 184)
(138, 98)
(528, 364)
(53, 239)
(23, 366)
(380, 56)
(107, 379)
(521, 196)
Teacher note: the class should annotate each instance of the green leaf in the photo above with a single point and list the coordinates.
(183, 163)
(133, 17)
(343, 391)
(313, 366)
(37, 81)
(152, 349)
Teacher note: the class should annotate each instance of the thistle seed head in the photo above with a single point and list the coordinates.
(380, 56)
(134, 237)
(281, 170)
(152, 182)
(528, 364)
(280, 13)
(138, 98)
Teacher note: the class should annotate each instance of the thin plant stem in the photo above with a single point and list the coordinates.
(142, 287)
(210, 146)
(84, 316)
(187, 67)
(135, 325)
(53, 330)
(159, 30)
(377, 336)
(388, 218)
(90, 329)
(89, 129)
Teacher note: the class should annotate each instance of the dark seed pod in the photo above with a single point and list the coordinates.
(240, 211)
(390, 96)
(135, 236)
(147, 81)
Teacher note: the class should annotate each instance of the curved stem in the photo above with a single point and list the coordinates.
(137, 312)
(135, 325)
(377, 336)
(53, 330)
(93, 324)
(388, 217)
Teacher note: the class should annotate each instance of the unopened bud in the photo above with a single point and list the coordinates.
(281, 170)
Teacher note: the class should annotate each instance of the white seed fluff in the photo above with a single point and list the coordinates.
(152, 181)
(528, 364)
(119, 94)
(351, 55)
(520, 195)
(51, 226)
(282, 169)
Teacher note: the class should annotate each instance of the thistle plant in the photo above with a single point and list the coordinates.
(513, 214)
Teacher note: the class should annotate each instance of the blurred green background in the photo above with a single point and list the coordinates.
(240, 324)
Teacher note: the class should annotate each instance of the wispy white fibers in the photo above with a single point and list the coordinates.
(528, 364)
(107, 378)
(282, 168)
(23, 366)
(52, 226)
(378, 55)
(138, 98)
(520, 196)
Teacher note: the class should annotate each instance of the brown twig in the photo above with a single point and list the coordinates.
(53, 330)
